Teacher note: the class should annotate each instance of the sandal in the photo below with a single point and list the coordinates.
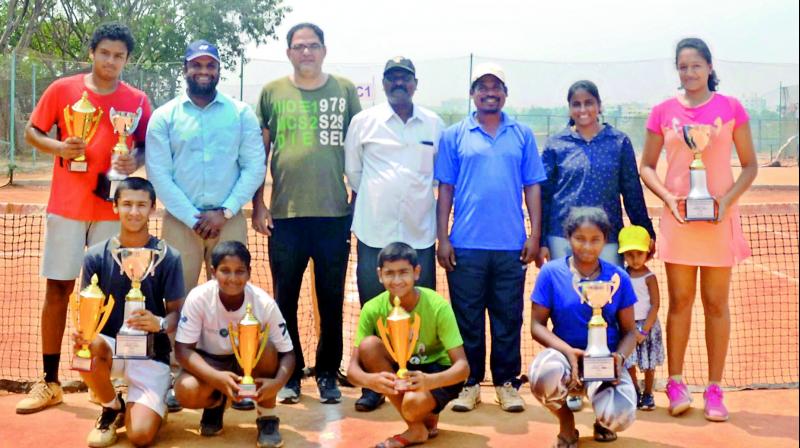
(563, 442)
(603, 434)
(396, 441)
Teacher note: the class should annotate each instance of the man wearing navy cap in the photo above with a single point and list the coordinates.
(389, 154)
(207, 161)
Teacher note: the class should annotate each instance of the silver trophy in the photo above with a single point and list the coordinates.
(597, 363)
(125, 124)
(700, 205)
(136, 263)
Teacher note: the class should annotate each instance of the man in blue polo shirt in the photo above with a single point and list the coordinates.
(485, 163)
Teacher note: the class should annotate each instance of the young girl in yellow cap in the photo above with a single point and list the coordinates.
(634, 245)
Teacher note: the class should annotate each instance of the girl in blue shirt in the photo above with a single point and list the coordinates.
(554, 371)
(589, 163)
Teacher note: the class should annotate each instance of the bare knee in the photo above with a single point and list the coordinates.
(416, 406)
(189, 391)
(140, 437)
(372, 354)
(681, 300)
(57, 292)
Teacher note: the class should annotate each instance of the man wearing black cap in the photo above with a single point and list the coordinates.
(389, 154)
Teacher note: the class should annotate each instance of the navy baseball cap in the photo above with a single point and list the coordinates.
(201, 48)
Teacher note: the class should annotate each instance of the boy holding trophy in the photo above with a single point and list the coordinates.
(433, 367)
(232, 343)
(148, 378)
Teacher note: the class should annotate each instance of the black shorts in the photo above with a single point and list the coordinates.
(222, 362)
(442, 395)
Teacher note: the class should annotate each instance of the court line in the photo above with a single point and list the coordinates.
(780, 274)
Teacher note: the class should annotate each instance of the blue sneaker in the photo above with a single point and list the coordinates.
(329, 392)
(290, 393)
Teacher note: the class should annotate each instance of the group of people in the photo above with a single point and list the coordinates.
(206, 157)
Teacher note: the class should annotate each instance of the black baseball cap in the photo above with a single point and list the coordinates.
(401, 63)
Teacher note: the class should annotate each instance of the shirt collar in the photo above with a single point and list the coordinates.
(218, 98)
(387, 113)
(505, 121)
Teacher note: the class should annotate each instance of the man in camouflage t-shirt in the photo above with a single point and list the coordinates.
(304, 117)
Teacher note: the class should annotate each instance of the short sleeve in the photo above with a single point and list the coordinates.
(353, 103)
(92, 263)
(278, 333)
(190, 324)
(739, 113)
(543, 290)
(532, 168)
(141, 128)
(264, 108)
(366, 321)
(173, 277)
(626, 295)
(655, 119)
(447, 328)
(45, 114)
(447, 162)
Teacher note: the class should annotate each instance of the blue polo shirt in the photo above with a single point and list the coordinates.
(569, 315)
(488, 174)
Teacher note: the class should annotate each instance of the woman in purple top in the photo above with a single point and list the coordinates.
(589, 163)
(554, 372)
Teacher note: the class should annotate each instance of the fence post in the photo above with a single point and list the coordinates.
(11, 118)
(241, 77)
(469, 99)
(33, 101)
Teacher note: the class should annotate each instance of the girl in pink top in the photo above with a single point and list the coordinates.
(688, 247)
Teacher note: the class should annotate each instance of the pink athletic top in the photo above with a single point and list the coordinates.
(700, 243)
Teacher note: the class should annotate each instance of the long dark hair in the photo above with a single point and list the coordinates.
(586, 85)
(704, 51)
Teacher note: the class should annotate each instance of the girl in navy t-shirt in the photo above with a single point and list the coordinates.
(554, 371)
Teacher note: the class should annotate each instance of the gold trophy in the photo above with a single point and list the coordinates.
(400, 339)
(82, 120)
(248, 334)
(125, 124)
(597, 363)
(699, 204)
(136, 263)
(89, 316)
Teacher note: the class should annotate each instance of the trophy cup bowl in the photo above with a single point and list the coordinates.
(699, 204)
(597, 363)
(399, 336)
(124, 124)
(89, 316)
(81, 120)
(251, 343)
(136, 263)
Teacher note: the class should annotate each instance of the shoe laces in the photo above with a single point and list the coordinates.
(326, 382)
(466, 391)
(41, 390)
(713, 393)
(107, 417)
(268, 425)
(674, 387)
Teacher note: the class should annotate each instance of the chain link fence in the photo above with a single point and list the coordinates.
(537, 94)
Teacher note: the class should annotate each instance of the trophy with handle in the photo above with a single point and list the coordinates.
(399, 336)
(699, 204)
(125, 124)
(89, 316)
(597, 363)
(82, 120)
(251, 343)
(136, 263)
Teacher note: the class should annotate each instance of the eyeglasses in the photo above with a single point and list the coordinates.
(303, 47)
(482, 88)
(404, 77)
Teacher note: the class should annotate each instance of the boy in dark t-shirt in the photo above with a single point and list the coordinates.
(148, 379)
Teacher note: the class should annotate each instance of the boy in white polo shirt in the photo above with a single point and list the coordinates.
(211, 374)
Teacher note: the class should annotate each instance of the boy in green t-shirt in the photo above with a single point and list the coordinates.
(438, 365)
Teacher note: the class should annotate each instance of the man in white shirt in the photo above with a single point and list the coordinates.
(211, 373)
(389, 155)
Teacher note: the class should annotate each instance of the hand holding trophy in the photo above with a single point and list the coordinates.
(125, 124)
(249, 350)
(399, 340)
(597, 363)
(137, 263)
(82, 120)
(89, 316)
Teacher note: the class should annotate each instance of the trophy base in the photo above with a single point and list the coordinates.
(81, 364)
(78, 166)
(247, 391)
(700, 209)
(133, 346)
(598, 368)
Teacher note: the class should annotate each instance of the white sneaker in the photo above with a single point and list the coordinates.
(104, 432)
(508, 398)
(469, 397)
(41, 396)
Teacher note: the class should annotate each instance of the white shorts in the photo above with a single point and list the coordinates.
(65, 241)
(148, 380)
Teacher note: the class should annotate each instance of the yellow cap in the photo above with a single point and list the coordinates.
(634, 238)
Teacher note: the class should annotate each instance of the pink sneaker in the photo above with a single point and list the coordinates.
(715, 409)
(679, 397)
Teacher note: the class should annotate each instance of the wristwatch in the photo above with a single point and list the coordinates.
(162, 325)
(227, 213)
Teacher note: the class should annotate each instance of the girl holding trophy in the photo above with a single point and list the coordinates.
(700, 227)
(562, 295)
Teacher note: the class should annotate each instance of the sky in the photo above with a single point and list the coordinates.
(563, 30)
